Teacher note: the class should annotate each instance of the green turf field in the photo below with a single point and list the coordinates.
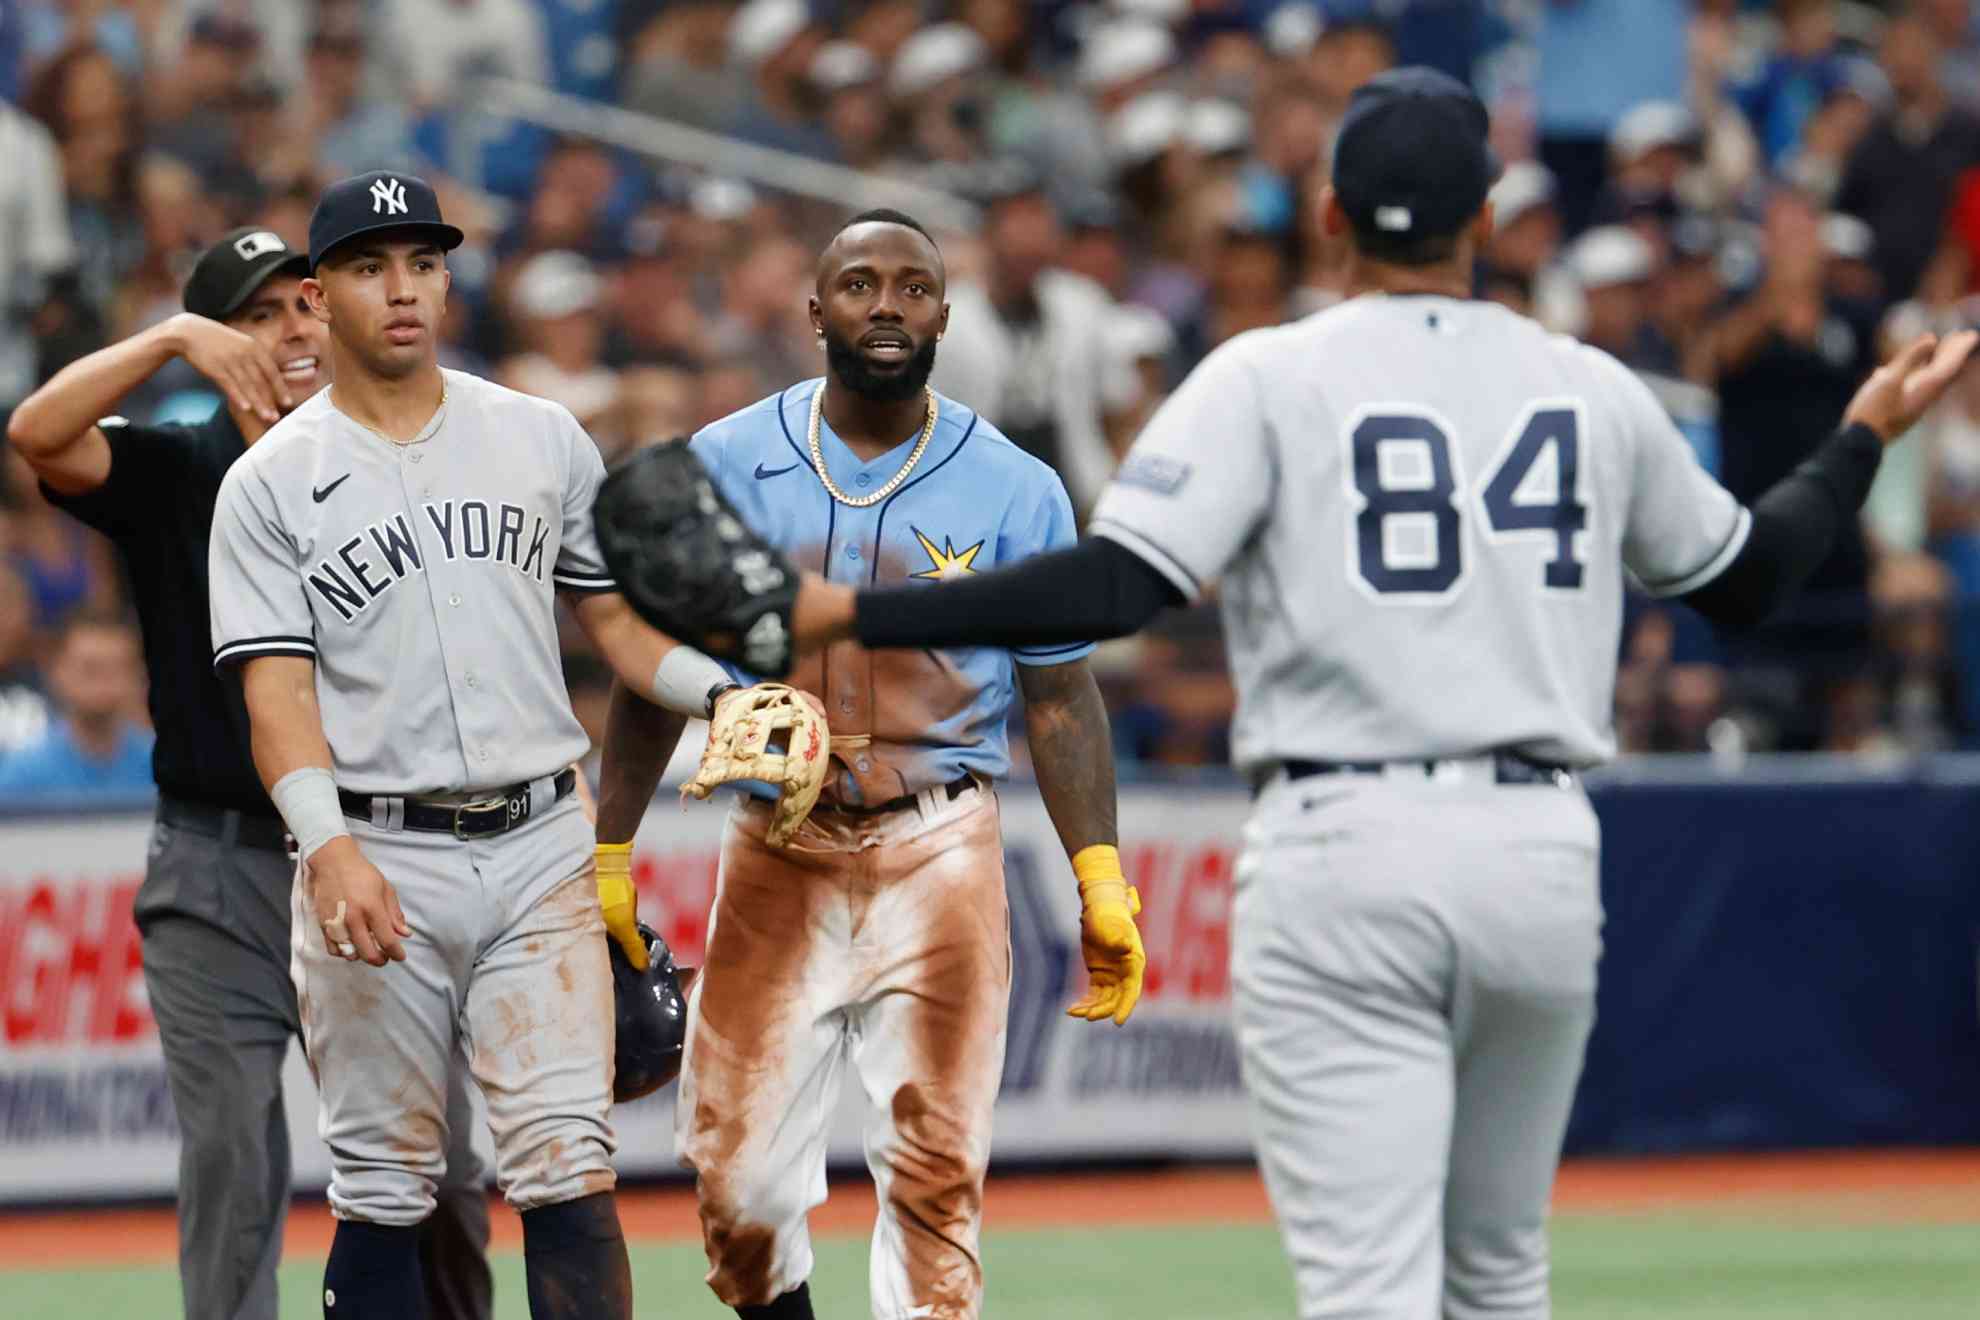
(1607, 1268)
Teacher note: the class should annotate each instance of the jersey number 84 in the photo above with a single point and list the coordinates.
(1403, 471)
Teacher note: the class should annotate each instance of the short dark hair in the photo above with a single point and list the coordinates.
(887, 215)
(1397, 250)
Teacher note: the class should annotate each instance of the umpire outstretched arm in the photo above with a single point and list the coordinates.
(1102, 589)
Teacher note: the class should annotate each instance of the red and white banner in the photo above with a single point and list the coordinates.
(85, 1111)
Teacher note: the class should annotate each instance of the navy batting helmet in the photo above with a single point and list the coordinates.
(652, 1019)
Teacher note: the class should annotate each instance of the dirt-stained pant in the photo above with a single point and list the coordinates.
(883, 940)
(507, 954)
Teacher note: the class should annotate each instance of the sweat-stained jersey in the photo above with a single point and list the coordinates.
(421, 578)
(1421, 509)
(974, 501)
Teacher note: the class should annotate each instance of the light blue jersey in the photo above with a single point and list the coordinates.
(901, 721)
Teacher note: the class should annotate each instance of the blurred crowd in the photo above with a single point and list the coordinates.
(1747, 201)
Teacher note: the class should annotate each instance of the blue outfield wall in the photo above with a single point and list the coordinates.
(1790, 961)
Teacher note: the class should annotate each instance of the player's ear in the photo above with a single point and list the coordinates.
(943, 328)
(319, 306)
(1333, 220)
(1482, 226)
(817, 314)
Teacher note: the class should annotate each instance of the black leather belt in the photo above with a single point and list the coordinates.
(464, 820)
(245, 828)
(1507, 768)
(955, 788)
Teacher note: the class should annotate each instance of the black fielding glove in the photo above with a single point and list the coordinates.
(691, 567)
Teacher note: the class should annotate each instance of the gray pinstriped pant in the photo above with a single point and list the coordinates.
(1413, 968)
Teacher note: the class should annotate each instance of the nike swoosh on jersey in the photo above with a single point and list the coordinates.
(764, 474)
(323, 493)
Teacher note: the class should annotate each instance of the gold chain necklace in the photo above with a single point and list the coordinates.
(893, 482)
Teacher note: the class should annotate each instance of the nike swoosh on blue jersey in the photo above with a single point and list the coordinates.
(764, 474)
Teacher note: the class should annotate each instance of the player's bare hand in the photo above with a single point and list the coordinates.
(245, 371)
(356, 906)
(1903, 389)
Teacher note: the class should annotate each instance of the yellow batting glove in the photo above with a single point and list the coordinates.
(1108, 939)
(619, 901)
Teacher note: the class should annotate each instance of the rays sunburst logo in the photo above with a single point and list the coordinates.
(945, 561)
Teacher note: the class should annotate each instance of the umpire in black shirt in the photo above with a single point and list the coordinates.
(214, 908)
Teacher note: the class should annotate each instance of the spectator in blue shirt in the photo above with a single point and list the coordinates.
(96, 746)
(1804, 73)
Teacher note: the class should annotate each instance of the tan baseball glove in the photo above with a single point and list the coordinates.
(744, 744)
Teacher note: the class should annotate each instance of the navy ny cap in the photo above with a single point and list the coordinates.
(367, 203)
(227, 274)
(1411, 159)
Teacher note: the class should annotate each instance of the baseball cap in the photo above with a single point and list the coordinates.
(839, 65)
(1293, 29)
(554, 284)
(1845, 236)
(934, 55)
(1650, 126)
(1124, 51)
(1525, 186)
(227, 274)
(764, 27)
(367, 203)
(1609, 255)
(1145, 127)
(1410, 158)
(1217, 128)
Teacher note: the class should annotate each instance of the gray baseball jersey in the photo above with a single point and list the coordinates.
(421, 578)
(1420, 508)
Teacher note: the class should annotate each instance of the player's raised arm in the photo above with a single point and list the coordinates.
(651, 664)
(1741, 573)
(1195, 485)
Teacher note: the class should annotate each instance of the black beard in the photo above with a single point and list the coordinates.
(850, 367)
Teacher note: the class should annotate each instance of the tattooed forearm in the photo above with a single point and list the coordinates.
(1071, 751)
(639, 741)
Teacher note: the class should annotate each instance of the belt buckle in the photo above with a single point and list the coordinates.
(506, 806)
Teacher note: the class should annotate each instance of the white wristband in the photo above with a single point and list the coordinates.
(307, 799)
(684, 680)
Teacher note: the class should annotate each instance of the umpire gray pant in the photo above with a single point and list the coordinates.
(213, 913)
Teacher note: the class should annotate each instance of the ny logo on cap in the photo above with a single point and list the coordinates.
(388, 197)
(250, 246)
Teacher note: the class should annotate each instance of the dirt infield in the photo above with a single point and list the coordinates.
(1885, 1186)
